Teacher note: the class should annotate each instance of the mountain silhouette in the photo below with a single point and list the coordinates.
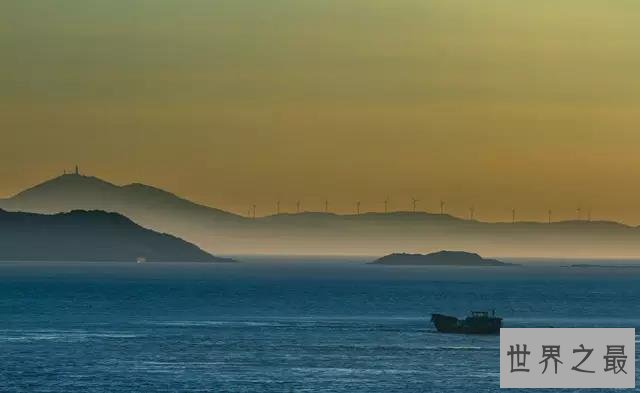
(440, 258)
(326, 233)
(73, 191)
(89, 236)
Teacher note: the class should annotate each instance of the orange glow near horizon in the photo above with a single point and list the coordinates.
(495, 104)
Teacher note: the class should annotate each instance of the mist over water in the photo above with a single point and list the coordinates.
(282, 324)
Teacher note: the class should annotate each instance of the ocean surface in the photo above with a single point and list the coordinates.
(281, 324)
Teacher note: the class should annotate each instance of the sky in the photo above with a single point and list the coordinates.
(496, 104)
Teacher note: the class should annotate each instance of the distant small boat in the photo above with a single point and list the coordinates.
(479, 322)
(141, 260)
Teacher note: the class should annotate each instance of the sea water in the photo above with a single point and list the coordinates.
(281, 324)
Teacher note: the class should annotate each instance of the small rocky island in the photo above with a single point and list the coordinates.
(440, 258)
(588, 265)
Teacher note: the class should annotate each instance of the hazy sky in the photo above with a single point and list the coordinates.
(495, 103)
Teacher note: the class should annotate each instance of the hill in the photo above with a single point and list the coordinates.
(89, 236)
(440, 258)
(74, 191)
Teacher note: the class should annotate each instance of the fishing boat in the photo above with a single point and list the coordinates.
(479, 322)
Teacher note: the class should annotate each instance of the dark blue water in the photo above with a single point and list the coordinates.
(268, 326)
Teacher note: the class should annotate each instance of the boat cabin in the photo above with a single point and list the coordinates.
(483, 314)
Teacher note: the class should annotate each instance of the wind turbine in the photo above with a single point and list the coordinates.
(298, 206)
(358, 207)
(415, 201)
(254, 211)
(442, 203)
(386, 205)
(579, 213)
(549, 213)
(513, 216)
(472, 210)
(326, 206)
(278, 206)
(589, 214)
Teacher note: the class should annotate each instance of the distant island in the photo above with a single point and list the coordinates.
(90, 236)
(587, 265)
(440, 258)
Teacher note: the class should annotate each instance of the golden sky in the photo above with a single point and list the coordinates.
(494, 103)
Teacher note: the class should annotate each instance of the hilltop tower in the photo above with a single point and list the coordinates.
(77, 172)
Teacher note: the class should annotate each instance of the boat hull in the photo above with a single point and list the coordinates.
(471, 325)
